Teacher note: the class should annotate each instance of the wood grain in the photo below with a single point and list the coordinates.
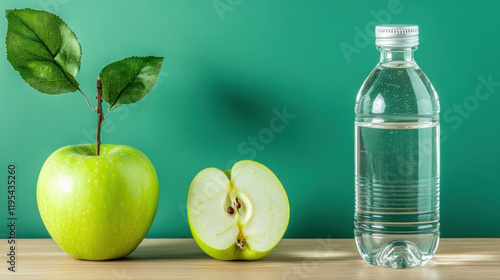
(292, 259)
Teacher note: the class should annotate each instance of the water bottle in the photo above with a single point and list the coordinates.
(397, 156)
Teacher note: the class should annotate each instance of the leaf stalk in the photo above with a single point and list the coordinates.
(86, 99)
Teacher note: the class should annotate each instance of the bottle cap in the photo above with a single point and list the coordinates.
(396, 35)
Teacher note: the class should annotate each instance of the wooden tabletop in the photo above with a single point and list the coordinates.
(292, 259)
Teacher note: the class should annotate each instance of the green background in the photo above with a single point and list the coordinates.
(227, 71)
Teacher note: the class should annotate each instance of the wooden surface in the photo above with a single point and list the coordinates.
(292, 259)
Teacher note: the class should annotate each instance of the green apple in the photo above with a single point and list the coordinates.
(97, 207)
(239, 214)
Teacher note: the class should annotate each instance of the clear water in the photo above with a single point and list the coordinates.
(397, 164)
(397, 192)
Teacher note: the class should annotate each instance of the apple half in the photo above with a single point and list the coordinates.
(239, 214)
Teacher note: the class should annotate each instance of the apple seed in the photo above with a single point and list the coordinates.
(238, 205)
(230, 210)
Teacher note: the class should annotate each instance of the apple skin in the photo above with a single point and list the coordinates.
(231, 253)
(98, 207)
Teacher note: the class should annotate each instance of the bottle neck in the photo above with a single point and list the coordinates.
(397, 56)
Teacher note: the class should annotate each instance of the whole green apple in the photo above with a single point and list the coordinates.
(97, 207)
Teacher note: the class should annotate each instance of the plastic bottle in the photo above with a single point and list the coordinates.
(397, 156)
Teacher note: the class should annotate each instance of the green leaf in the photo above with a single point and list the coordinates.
(42, 48)
(128, 80)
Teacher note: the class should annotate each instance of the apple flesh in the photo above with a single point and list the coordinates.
(239, 214)
(97, 207)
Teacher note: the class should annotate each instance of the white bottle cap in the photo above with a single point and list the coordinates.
(396, 35)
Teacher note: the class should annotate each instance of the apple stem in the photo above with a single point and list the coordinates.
(100, 117)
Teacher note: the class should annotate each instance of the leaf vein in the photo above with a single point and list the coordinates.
(53, 55)
(128, 84)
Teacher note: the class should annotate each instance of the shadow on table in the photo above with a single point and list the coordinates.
(166, 249)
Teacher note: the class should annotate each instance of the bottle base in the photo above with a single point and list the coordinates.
(397, 250)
